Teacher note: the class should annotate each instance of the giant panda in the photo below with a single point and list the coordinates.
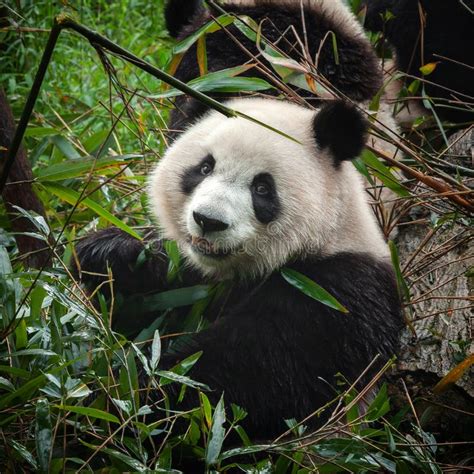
(430, 32)
(243, 202)
(249, 204)
(301, 30)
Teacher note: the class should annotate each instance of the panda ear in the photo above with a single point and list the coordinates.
(179, 13)
(340, 128)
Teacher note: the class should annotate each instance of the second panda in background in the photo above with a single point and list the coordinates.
(255, 208)
(436, 33)
(302, 31)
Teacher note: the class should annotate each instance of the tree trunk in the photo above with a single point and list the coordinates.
(438, 269)
(19, 192)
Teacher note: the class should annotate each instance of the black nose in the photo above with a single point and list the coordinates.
(209, 225)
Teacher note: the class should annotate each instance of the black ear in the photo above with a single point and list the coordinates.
(339, 127)
(178, 14)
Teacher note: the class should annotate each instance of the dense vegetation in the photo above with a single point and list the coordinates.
(69, 385)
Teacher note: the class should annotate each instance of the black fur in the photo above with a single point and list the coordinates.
(357, 75)
(448, 32)
(179, 13)
(114, 250)
(192, 177)
(270, 348)
(341, 128)
(138, 269)
(273, 350)
(267, 208)
(277, 352)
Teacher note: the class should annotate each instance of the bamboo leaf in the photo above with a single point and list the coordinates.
(24, 453)
(166, 375)
(214, 446)
(311, 289)
(454, 375)
(65, 147)
(43, 434)
(155, 350)
(90, 412)
(383, 173)
(211, 27)
(76, 168)
(222, 81)
(202, 55)
(166, 299)
(72, 197)
(428, 68)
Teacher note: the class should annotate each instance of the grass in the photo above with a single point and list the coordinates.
(71, 389)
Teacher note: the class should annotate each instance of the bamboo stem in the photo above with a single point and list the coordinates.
(429, 181)
(30, 103)
(64, 21)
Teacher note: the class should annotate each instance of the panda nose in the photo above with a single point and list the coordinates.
(207, 224)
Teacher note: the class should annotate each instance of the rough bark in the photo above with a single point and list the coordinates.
(438, 269)
(441, 306)
(19, 192)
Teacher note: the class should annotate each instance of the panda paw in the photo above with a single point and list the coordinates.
(114, 253)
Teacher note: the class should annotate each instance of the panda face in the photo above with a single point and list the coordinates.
(241, 199)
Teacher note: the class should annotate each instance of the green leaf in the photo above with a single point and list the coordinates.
(5, 265)
(211, 27)
(37, 297)
(23, 453)
(214, 446)
(207, 408)
(379, 406)
(5, 384)
(40, 131)
(90, 412)
(402, 286)
(166, 300)
(155, 351)
(222, 81)
(383, 173)
(174, 256)
(311, 289)
(96, 140)
(168, 376)
(72, 197)
(186, 364)
(428, 68)
(65, 147)
(43, 434)
(137, 466)
(75, 168)
(30, 352)
(24, 392)
(15, 371)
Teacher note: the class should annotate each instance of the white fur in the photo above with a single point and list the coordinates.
(323, 210)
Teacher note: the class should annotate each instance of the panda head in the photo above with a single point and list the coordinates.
(243, 200)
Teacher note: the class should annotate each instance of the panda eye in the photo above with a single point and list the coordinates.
(206, 169)
(262, 189)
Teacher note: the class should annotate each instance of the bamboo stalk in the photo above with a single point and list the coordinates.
(30, 103)
(429, 181)
(64, 21)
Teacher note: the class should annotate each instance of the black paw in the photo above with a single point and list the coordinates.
(134, 266)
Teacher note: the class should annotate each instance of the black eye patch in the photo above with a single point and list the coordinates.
(195, 175)
(265, 198)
